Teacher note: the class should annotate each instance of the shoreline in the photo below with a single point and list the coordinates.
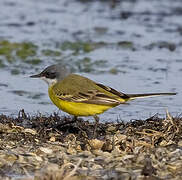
(41, 147)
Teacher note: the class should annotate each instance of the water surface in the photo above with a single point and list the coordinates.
(132, 46)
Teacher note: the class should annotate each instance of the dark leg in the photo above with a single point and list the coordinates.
(96, 125)
(75, 118)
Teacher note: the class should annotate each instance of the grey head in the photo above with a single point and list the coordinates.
(52, 74)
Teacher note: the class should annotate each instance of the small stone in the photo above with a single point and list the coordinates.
(71, 150)
(111, 128)
(52, 139)
(95, 144)
(31, 131)
(166, 143)
(46, 150)
(97, 152)
(180, 143)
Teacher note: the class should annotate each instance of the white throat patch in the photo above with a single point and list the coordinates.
(50, 82)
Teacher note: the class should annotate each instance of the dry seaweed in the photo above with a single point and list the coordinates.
(56, 147)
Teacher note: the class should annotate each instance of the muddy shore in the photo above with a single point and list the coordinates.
(47, 148)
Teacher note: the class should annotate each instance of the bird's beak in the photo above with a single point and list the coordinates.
(36, 76)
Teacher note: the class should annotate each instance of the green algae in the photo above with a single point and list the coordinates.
(15, 71)
(88, 65)
(29, 53)
(12, 51)
(162, 44)
(84, 65)
(7, 49)
(126, 45)
(114, 71)
(2, 65)
(25, 50)
(49, 52)
(77, 47)
(34, 61)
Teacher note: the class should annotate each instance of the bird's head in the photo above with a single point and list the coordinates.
(52, 74)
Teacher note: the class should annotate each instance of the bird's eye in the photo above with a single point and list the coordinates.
(50, 75)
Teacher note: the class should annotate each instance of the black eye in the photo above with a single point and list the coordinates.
(50, 75)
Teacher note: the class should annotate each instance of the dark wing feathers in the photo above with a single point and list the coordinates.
(113, 91)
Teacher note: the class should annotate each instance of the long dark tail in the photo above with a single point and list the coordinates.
(134, 96)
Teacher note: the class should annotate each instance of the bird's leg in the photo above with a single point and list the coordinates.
(96, 125)
(75, 118)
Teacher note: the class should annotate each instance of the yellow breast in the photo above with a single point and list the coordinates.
(78, 109)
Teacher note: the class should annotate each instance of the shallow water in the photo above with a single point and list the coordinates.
(133, 46)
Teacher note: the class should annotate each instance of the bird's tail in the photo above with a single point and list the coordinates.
(135, 96)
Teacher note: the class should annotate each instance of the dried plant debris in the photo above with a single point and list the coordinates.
(54, 147)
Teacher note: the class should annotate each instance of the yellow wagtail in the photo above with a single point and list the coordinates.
(80, 96)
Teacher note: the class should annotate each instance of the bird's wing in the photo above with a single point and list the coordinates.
(90, 97)
(113, 91)
(81, 89)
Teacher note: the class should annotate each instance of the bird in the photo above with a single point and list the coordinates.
(80, 96)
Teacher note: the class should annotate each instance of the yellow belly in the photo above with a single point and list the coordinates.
(78, 109)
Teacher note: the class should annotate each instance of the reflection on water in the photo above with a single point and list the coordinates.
(133, 46)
